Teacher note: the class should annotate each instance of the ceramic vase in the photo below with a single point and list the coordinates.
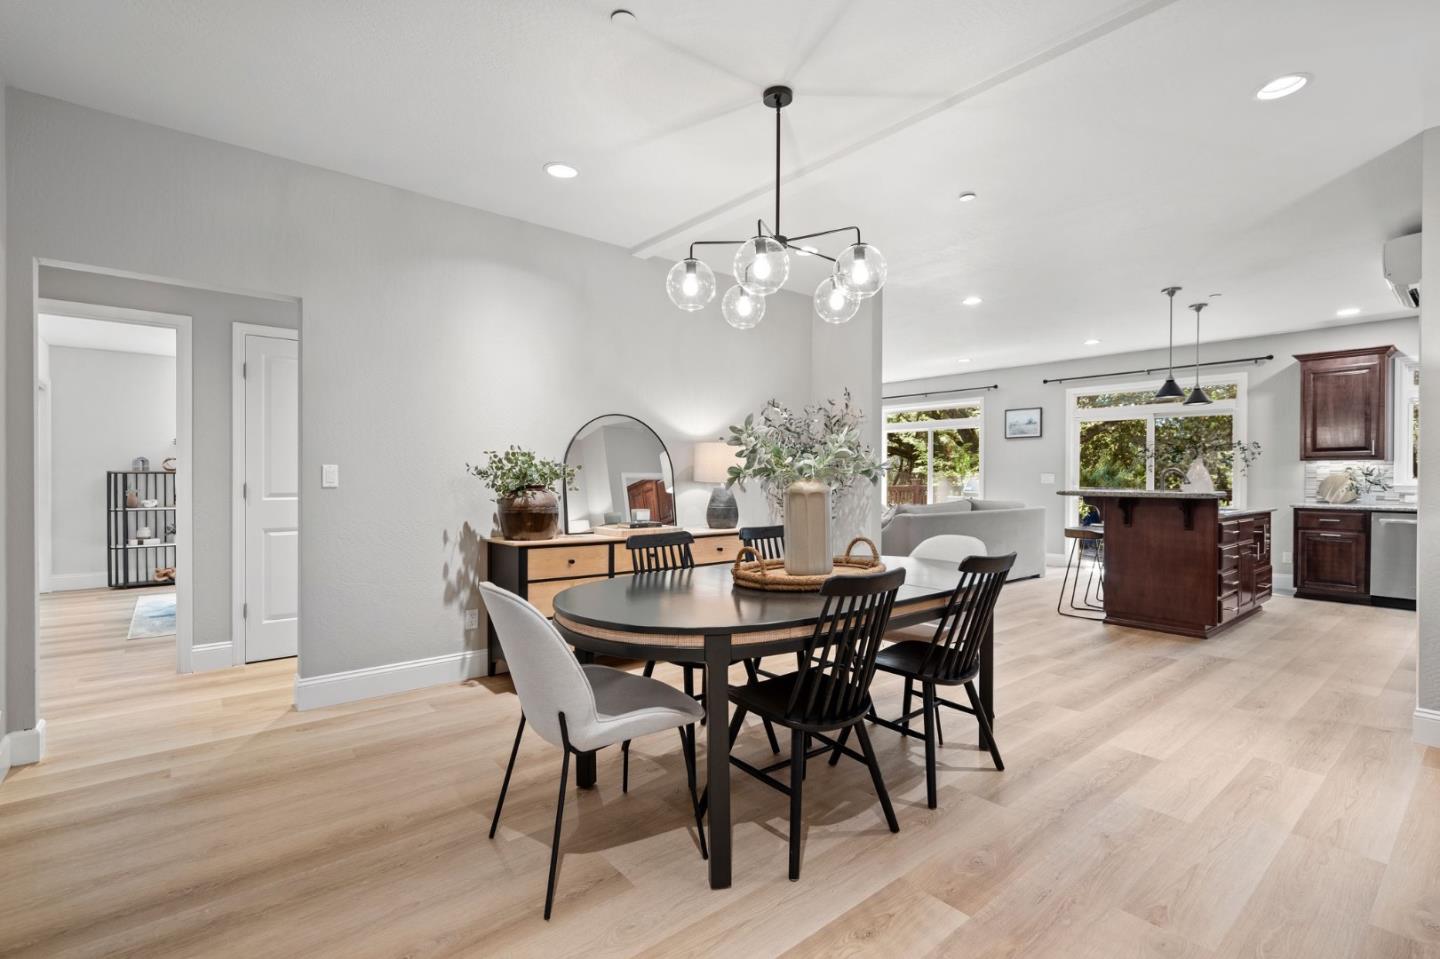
(808, 550)
(532, 513)
(1198, 478)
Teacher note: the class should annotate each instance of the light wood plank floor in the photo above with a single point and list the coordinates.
(1254, 795)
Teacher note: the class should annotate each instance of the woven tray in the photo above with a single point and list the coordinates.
(769, 574)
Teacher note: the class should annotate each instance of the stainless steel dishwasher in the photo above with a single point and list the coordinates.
(1392, 559)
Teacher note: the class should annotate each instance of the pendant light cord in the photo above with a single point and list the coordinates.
(777, 169)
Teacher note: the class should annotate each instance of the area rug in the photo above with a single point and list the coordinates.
(154, 616)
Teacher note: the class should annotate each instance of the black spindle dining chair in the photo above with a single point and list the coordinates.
(829, 692)
(949, 658)
(768, 542)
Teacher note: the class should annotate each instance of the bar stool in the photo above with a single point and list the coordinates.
(1084, 540)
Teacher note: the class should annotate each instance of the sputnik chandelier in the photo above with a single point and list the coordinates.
(762, 263)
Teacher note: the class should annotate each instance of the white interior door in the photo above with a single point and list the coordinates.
(272, 497)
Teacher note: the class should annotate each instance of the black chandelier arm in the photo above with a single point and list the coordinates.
(695, 243)
(838, 229)
(804, 252)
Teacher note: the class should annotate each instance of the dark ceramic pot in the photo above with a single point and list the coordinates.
(532, 513)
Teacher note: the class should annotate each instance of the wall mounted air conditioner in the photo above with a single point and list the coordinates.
(1402, 269)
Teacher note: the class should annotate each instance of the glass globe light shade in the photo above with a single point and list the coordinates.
(832, 303)
(860, 270)
(741, 308)
(762, 265)
(691, 284)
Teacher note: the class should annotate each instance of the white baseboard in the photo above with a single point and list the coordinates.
(27, 746)
(61, 582)
(211, 656)
(314, 692)
(1056, 559)
(1427, 726)
(4, 757)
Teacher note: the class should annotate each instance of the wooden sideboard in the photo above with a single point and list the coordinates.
(539, 569)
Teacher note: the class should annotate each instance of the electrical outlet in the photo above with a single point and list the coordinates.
(1285, 556)
(329, 476)
(472, 619)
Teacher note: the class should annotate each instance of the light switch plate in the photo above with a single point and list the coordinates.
(329, 476)
(472, 619)
(1285, 557)
(1047, 479)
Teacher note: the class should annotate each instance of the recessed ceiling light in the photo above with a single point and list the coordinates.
(1348, 311)
(1092, 342)
(1282, 86)
(972, 301)
(561, 171)
(966, 197)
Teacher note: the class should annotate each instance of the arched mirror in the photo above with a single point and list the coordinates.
(625, 476)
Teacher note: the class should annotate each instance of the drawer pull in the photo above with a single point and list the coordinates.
(571, 561)
(1331, 536)
(1331, 520)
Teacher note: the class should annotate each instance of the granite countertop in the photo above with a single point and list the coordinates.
(1362, 507)
(1228, 513)
(1140, 494)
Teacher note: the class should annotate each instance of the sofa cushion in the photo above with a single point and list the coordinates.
(935, 509)
(996, 504)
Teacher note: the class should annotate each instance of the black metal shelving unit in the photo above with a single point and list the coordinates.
(131, 566)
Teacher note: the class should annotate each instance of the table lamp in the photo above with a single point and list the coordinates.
(712, 461)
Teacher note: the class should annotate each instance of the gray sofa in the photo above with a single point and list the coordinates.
(1002, 525)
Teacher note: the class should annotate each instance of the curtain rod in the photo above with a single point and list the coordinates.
(1156, 369)
(963, 389)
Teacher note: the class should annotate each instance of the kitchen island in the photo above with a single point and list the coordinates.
(1178, 563)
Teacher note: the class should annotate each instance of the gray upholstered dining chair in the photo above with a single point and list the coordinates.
(580, 708)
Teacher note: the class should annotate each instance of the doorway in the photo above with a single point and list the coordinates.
(266, 509)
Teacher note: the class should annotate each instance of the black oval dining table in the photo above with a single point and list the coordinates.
(700, 616)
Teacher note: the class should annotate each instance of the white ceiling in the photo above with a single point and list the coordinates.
(87, 334)
(1115, 144)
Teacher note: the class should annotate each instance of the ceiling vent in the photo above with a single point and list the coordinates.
(1402, 269)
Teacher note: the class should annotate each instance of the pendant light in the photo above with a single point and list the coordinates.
(1171, 390)
(1197, 396)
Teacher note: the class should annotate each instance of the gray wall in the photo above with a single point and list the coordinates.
(107, 407)
(212, 316)
(1013, 467)
(7, 719)
(1428, 666)
(431, 332)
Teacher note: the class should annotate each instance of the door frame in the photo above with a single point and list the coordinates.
(238, 333)
(186, 653)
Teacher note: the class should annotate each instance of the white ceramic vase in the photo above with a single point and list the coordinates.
(1198, 478)
(808, 550)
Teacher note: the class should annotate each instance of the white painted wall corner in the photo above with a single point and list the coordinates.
(332, 689)
(1427, 726)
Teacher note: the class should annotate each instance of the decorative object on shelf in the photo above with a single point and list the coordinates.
(149, 503)
(143, 533)
(169, 464)
(1025, 423)
(1366, 481)
(524, 488)
(1337, 488)
(1197, 396)
(712, 464)
(1171, 390)
(753, 571)
(132, 499)
(804, 461)
(626, 467)
(140, 464)
(762, 263)
(165, 574)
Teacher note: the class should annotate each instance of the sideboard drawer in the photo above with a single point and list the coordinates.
(542, 595)
(710, 550)
(554, 562)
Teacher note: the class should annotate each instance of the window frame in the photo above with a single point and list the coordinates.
(1075, 415)
(976, 422)
(1407, 398)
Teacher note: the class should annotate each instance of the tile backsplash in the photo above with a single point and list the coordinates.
(1317, 470)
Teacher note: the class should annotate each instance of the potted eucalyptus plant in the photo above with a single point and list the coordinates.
(802, 460)
(524, 486)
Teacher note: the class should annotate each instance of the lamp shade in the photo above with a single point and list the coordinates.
(712, 461)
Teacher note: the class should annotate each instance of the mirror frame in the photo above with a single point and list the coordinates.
(565, 460)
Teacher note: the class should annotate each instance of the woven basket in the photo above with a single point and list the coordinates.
(769, 574)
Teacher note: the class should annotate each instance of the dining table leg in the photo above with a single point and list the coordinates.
(717, 755)
(987, 679)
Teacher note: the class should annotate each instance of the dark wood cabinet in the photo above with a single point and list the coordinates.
(1332, 554)
(1245, 571)
(1344, 404)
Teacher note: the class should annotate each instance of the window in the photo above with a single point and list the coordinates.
(1407, 422)
(1113, 429)
(935, 454)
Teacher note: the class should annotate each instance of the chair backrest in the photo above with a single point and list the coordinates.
(833, 682)
(948, 546)
(547, 676)
(651, 552)
(768, 541)
(955, 649)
